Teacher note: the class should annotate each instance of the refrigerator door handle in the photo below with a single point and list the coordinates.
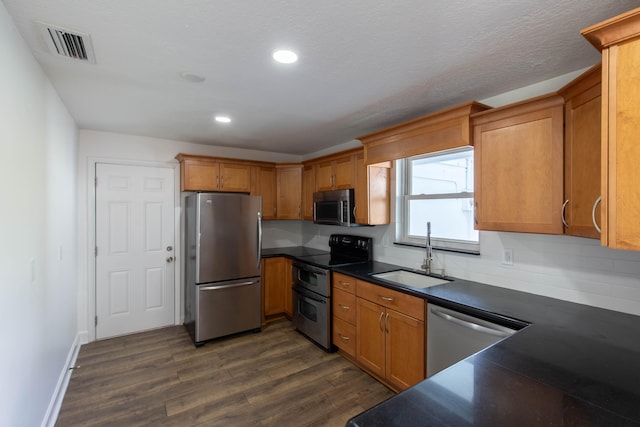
(234, 285)
(259, 238)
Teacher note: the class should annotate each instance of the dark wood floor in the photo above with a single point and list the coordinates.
(273, 378)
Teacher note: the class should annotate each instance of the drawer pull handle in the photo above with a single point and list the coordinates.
(342, 337)
(344, 307)
(385, 298)
(345, 284)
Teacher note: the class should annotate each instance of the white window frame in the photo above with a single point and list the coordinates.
(404, 192)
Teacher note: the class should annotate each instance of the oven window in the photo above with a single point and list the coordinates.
(308, 310)
(309, 277)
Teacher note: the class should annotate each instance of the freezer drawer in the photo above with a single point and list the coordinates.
(226, 308)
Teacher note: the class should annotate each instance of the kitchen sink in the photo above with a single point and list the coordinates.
(410, 278)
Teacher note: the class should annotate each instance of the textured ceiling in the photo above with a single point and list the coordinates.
(363, 65)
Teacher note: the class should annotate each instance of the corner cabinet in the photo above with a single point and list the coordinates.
(519, 166)
(289, 191)
(619, 40)
(581, 212)
(264, 185)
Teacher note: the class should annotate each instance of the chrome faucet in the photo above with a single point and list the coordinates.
(429, 255)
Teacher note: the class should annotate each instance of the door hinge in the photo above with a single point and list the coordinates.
(95, 181)
(96, 321)
(96, 251)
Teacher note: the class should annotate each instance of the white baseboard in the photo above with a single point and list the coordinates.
(63, 381)
(83, 337)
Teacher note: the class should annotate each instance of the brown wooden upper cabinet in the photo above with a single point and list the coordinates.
(264, 184)
(289, 189)
(434, 132)
(619, 40)
(308, 188)
(581, 211)
(336, 173)
(201, 173)
(371, 192)
(518, 166)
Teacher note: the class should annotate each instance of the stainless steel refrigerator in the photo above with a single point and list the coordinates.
(223, 234)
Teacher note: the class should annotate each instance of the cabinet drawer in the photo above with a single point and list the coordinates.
(345, 283)
(401, 302)
(344, 336)
(344, 306)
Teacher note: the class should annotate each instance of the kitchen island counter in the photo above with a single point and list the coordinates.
(569, 364)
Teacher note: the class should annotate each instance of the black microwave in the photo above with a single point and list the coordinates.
(334, 208)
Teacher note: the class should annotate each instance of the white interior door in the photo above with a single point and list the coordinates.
(134, 248)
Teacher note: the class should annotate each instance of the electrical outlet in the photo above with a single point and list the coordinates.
(507, 257)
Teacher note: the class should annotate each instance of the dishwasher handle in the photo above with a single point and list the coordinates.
(470, 325)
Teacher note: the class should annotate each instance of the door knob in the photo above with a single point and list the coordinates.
(170, 259)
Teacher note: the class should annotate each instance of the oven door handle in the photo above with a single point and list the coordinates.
(307, 267)
(307, 296)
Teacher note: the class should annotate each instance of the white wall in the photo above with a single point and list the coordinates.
(96, 146)
(563, 267)
(38, 235)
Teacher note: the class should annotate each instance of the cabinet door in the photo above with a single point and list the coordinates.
(582, 154)
(324, 176)
(235, 178)
(621, 151)
(344, 173)
(372, 192)
(405, 350)
(274, 286)
(518, 168)
(287, 279)
(266, 184)
(308, 188)
(344, 305)
(344, 283)
(198, 175)
(370, 345)
(289, 192)
(344, 336)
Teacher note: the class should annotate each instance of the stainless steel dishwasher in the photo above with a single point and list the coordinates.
(453, 336)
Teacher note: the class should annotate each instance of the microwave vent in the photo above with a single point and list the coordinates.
(67, 43)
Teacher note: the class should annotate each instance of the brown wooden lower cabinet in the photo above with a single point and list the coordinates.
(381, 330)
(276, 285)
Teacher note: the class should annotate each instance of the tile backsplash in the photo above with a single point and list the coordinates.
(563, 267)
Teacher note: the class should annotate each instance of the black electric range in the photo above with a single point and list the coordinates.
(345, 249)
(312, 284)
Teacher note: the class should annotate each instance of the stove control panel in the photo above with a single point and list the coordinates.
(349, 245)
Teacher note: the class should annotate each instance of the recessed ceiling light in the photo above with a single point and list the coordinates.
(191, 77)
(222, 119)
(285, 56)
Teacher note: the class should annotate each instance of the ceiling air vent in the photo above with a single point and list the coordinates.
(67, 43)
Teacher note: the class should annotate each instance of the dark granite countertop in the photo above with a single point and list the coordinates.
(291, 252)
(572, 365)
